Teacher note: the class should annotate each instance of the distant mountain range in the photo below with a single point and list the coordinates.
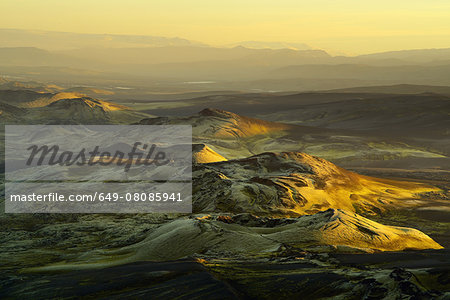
(53, 40)
(251, 65)
(271, 45)
(61, 41)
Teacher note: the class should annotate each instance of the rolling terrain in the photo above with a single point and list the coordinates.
(359, 143)
(275, 204)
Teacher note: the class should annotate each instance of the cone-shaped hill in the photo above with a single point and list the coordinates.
(292, 184)
(63, 108)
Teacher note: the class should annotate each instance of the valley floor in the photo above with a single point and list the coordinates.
(289, 273)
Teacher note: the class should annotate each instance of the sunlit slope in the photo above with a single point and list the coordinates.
(63, 108)
(292, 184)
(77, 110)
(48, 99)
(333, 229)
(201, 154)
(225, 125)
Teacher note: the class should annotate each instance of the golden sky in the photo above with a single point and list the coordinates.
(350, 26)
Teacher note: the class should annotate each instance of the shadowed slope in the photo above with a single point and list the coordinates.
(341, 230)
(214, 235)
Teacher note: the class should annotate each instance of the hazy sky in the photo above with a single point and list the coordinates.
(351, 26)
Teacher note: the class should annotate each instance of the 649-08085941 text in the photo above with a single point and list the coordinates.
(101, 197)
(98, 168)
